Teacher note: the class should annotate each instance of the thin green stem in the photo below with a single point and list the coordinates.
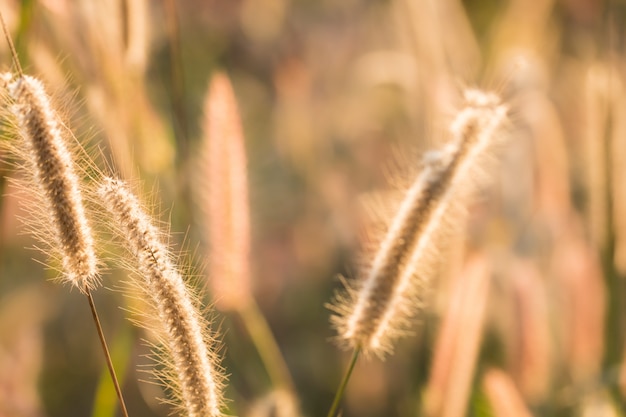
(107, 355)
(344, 383)
(177, 78)
(265, 343)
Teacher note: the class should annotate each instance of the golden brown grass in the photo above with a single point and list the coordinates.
(327, 91)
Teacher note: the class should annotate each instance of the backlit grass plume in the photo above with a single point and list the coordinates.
(223, 191)
(52, 167)
(371, 314)
(192, 364)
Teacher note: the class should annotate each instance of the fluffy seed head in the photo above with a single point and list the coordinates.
(223, 193)
(374, 312)
(54, 172)
(197, 378)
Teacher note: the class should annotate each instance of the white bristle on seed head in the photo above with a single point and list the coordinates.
(54, 171)
(197, 380)
(371, 315)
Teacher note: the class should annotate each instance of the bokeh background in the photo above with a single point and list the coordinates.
(338, 100)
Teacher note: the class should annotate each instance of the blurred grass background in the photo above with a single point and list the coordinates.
(330, 92)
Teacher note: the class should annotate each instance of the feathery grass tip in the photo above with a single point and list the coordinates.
(196, 377)
(54, 172)
(224, 199)
(373, 313)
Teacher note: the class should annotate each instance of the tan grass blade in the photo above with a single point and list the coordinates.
(503, 396)
(582, 308)
(458, 342)
(532, 355)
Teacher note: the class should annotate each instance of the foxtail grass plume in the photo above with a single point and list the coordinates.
(54, 173)
(224, 199)
(193, 364)
(373, 313)
(222, 190)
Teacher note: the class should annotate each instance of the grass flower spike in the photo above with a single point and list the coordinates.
(221, 188)
(374, 313)
(192, 363)
(224, 200)
(52, 167)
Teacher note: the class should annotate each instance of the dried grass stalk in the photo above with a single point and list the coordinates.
(503, 396)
